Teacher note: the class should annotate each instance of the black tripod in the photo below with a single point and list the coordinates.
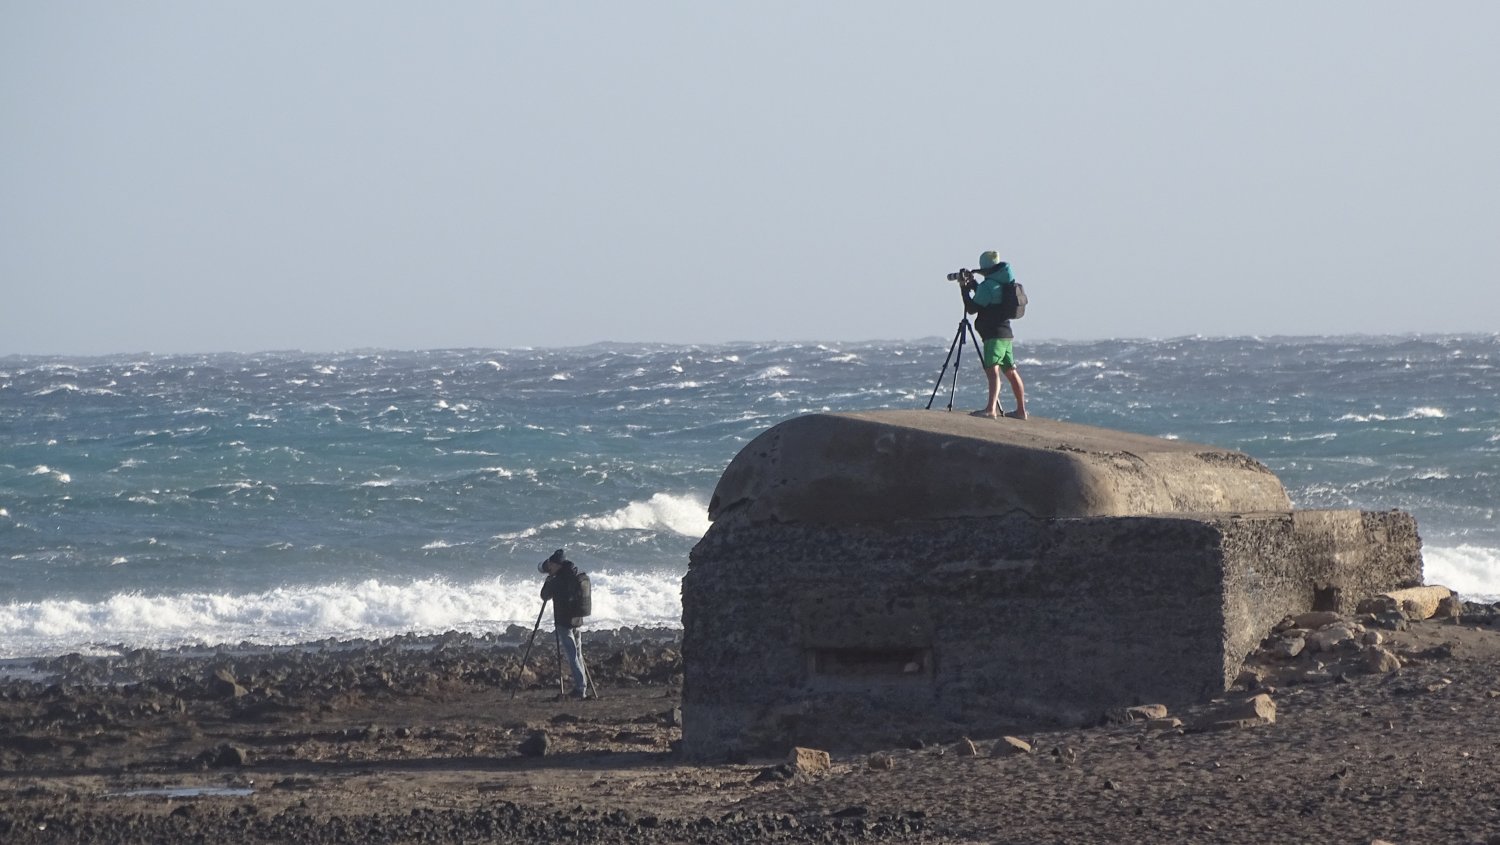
(957, 346)
(520, 673)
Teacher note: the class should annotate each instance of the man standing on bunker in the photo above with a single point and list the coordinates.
(986, 299)
(564, 587)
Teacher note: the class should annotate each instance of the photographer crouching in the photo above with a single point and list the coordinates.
(987, 300)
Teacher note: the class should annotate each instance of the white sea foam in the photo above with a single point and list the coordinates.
(771, 373)
(303, 614)
(57, 475)
(685, 515)
(1471, 571)
(1413, 414)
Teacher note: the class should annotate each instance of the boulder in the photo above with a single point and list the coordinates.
(1247, 713)
(1316, 619)
(809, 761)
(1449, 607)
(225, 756)
(534, 745)
(1331, 638)
(1146, 712)
(1414, 602)
(1380, 660)
(223, 684)
(1009, 746)
(1287, 647)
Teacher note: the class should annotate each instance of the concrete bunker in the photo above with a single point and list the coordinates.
(879, 575)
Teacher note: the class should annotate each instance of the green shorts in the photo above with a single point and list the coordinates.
(997, 351)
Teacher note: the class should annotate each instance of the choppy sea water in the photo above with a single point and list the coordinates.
(287, 497)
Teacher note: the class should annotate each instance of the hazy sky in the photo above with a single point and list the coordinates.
(206, 176)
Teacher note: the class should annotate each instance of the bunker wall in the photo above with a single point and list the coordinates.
(855, 636)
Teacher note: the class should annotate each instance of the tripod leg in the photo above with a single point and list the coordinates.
(957, 344)
(521, 672)
(963, 327)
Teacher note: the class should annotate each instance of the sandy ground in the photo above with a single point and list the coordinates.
(417, 740)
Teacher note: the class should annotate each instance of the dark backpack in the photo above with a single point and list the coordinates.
(585, 599)
(1012, 300)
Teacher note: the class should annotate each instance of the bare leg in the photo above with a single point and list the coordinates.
(992, 376)
(1013, 375)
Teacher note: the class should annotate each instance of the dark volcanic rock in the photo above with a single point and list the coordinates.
(534, 745)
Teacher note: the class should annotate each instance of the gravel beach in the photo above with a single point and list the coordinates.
(442, 739)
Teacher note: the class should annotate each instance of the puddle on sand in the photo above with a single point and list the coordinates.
(186, 792)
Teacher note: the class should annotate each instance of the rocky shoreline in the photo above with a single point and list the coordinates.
(1349, 729)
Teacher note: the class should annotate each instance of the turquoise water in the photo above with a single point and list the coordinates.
(284, 497)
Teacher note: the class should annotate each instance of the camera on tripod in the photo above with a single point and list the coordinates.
(963, 277)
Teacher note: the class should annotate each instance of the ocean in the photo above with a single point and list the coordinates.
(287, 497)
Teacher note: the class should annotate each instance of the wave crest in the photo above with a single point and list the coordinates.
(684, 515)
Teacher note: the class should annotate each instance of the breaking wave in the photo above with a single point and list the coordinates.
(291, 615)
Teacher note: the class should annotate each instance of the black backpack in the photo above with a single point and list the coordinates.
(585, 598)
(1012, 300)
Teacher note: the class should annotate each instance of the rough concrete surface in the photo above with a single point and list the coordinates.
(870, 572)
(877, 465)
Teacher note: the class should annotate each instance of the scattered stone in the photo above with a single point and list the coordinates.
(881, 762)
(1392, 621)
(1009, 746)
(1146, 712)
(1316, 619)
(965, 748)
(809, 761)
(1330, 638)
(534, 745)
(1166, 724)
(1449, 607)
(1251, 712)
(851, 812)
(1380, 660)
(774, 774)
(1288, 646)
(223, 684)
(225, 756)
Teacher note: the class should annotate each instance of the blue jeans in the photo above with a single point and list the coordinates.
(571, 641)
